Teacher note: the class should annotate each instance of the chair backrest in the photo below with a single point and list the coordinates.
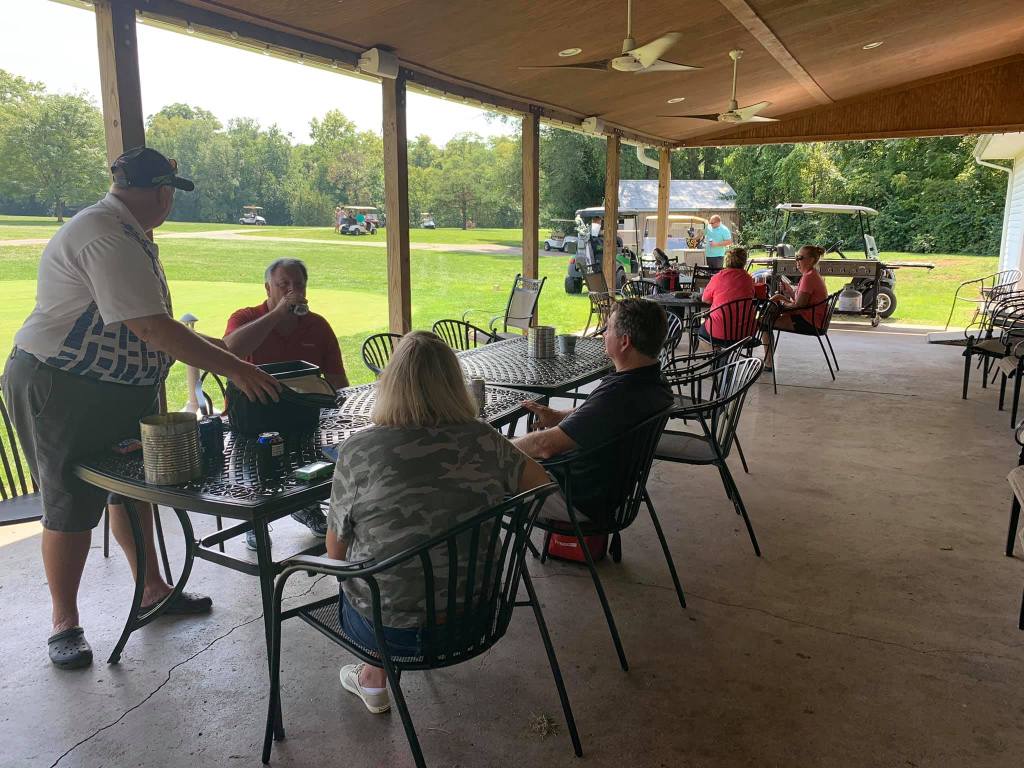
(637, 289)
(829, 305)
(629, 455)
(729, 322)
(601, 305)
(595, 280)
(470, 576)
(458, 334)
(720, 414)
(672, 338)
(377, 350)
(690, 379)
(522, 302)
(15, 479)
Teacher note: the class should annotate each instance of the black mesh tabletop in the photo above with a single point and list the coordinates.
(671, 301)
(231, 486)
(507, 364)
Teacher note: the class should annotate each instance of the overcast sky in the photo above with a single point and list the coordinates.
(227, 81)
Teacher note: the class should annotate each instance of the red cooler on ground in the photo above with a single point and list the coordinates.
(567, 547)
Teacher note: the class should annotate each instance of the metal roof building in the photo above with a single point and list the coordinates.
(702, 197)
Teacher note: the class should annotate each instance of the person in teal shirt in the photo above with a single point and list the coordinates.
(716, 238)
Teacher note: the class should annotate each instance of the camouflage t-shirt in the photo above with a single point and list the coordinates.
(396, 487)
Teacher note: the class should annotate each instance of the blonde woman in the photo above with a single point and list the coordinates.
(797, 303)
(426, 465)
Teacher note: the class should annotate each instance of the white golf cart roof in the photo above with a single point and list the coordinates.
(360, 207)
(252, 207)
(825, 208)
(598, 210)
(686, 218)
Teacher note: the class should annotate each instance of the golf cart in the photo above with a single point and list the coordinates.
(562, 237)
(427, 221)
(362, 220)
(871, 289)
(685, 244)
(626, 258)
(252, 214)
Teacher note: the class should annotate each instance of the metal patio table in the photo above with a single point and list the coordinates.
(507, 364)
(685, 306)
(231, 489)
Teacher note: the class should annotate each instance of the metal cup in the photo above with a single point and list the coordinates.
(567, 344)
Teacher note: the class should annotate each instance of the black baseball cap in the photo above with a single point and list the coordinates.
(145, 167)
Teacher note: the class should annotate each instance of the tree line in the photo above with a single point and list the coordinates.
(930, 194)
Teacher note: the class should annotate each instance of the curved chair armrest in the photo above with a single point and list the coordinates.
(562, 460)
(324, 565)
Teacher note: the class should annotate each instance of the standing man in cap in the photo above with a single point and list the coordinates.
(88, 363)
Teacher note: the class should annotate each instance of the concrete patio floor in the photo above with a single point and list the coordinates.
(879, 628)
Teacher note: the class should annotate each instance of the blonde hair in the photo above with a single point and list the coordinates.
(736, 258)
(422, 386)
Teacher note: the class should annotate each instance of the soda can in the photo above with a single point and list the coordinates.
(270, 458)
(211, 439)
(300, 309)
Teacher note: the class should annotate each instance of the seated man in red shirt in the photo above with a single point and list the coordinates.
(282, 328)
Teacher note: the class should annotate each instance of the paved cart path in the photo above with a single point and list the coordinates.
(235, 234)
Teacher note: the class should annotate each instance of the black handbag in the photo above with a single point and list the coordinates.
(295, 412)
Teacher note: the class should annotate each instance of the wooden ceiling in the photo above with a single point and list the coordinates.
(801, 55)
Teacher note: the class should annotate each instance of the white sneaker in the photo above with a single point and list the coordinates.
(377, 703)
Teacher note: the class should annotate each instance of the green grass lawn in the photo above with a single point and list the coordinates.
(211, 278)
(26, 227)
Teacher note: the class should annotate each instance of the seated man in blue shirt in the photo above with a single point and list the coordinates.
(634, 392)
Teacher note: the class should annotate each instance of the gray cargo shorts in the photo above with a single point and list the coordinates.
(62, 418)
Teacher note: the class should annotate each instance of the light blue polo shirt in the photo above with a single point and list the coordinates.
(721, 232)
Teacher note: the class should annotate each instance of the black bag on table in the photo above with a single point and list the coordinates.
(295, 411)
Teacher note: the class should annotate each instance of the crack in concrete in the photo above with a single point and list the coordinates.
(809, 625)
(170, 671)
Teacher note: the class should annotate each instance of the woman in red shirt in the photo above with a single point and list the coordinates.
(730, 284)
(810, 291)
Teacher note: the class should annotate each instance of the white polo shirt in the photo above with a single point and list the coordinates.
(99, 270)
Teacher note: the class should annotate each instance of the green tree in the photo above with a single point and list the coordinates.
(53, 151)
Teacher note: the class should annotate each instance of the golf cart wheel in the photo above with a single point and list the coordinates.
(573, 284)
(547, 246)
(885, 303)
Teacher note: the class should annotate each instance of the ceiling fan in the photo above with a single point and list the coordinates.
(634, 58)
(735, 113)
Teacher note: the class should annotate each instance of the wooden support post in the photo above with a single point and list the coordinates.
(396, 195)
(664, 188)
(531, 196)
(611, 209)
(117, 45)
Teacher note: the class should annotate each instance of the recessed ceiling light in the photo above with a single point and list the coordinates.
(570, 52)
(871, 46)
(676, 100)
(190, 29)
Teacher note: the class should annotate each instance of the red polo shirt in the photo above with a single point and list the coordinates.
(313, 340)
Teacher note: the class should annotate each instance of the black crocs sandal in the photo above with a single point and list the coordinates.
(69, 649)
(185, 604)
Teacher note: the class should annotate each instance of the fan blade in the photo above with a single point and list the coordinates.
(756, 119)
(666, 66)
(748, 112)
(695, 117)
(654, 50)
(594, 66)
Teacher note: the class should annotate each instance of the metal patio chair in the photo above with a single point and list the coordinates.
(631, 454)
(983, 292)
(461, 335)
(602, 300)
(474, 614)
(672, 339)
(718, 417)
(377, 351)
(20, 501)
(639, 288)
(733, 320)
(992, 338)
(818, 330)
(520, 310)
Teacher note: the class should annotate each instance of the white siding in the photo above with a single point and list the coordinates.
(1011, 251)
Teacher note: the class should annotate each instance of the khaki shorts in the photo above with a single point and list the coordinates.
(62, 418)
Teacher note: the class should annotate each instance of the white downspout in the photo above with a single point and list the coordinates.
(641, 155)
(981, 146)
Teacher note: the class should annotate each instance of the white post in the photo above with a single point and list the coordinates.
(191, 372)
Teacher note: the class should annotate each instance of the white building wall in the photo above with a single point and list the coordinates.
(1011, 250)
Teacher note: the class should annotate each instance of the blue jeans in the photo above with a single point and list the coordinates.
(401, 642)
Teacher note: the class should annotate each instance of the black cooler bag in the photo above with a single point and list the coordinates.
(295, 411)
